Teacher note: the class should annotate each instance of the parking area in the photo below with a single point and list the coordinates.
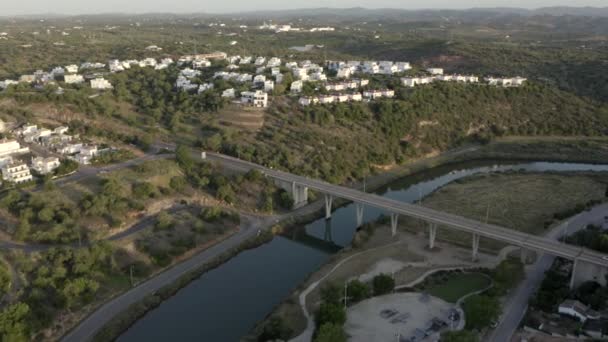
(410, 317)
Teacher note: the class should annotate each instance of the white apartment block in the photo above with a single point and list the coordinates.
(17, 173)
(254, 98)
(12, 147)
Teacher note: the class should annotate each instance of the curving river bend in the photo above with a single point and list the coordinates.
(225, 303)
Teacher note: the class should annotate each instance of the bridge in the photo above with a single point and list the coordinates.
(588, 264)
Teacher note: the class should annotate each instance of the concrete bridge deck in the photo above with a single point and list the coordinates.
(513, 237)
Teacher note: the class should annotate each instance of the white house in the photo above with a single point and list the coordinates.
(204, 87)
(86, 154)
(116, 66)
(342, 98)
(403, 66)
(201, 63)
(259, 79)
(73, 79)
(4, 84)
(246, 60)
(300, 73)
(268, 86)
(254, 98)
(325, 99)
(344, 72)
(100, 83)
(72, 68)
(410, 81)
(16, 172)
(148, 62)
(45, 165)
(242, 78)
(58, 71)
(274, 62)
(260, 61)
(12, 147)
(296, 87)
(69, 148)
(307, 101)
(435, 71)
(229, 93)
(355, 97)
(318, 76)
(61, 130)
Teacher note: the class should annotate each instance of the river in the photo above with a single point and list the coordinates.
(225, 303)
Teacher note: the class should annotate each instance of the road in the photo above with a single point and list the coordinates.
(517, 303)
(510, 236)
(90, 171)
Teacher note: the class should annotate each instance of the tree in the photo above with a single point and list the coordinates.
(330, 333)
(332, 294)
(383, 284)
(143, 190)
(480, 311)
(330, 313)
(285, 200)
(13, 322)
(275, 329)
(357, 291)
(183, 157)
(178, 183)
(225, 193)
(459, 336)
(164, 220)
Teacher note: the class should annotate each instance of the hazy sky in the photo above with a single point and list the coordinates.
(13, 7)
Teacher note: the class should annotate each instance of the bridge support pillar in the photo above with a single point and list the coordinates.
(584, 271)
(328, 202)
(359, 208)
(299, 194)
(327, 236)
(432, 235)
(394, 221)
(523, 255)
(475, 247)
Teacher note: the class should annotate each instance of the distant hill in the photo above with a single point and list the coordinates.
(359, 12)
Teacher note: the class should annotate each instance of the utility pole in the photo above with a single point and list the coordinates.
(487, 213)
(345, 289)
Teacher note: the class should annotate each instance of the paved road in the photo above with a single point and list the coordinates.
(510, 236)
(517, 302)
(90, 171)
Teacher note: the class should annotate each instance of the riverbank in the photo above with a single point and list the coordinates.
(125, 319)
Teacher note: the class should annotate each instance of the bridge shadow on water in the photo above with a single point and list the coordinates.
(325, 244)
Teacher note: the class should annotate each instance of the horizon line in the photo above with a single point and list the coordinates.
(459, 9)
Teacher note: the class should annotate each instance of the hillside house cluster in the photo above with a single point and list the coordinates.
(344, 69)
